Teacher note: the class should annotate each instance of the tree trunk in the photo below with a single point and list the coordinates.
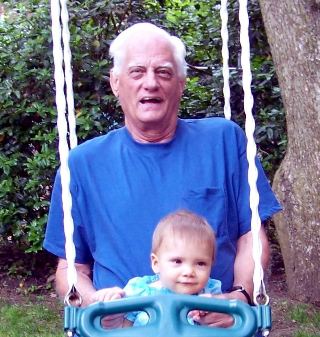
(293, 30)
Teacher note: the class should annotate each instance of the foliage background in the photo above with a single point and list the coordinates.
(28, 137)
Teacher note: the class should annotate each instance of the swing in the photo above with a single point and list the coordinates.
(167, 313)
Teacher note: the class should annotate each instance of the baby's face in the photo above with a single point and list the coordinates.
(184, 267)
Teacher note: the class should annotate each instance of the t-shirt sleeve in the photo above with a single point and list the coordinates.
(213, 286)
(54, 241)
(268, 203)
(136, 287)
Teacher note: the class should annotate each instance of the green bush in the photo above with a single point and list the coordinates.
(27, 134)
(28, 138)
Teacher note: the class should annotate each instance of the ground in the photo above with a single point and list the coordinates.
(24, 278)
(282, 325)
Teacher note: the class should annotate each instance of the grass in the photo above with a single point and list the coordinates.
(308, 320)
(30, 320)
(43, 319)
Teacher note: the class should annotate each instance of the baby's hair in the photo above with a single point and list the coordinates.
(184, 225)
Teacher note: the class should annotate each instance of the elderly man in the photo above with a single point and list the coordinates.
(122, 183)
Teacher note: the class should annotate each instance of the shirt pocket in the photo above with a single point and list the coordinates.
(209, 202)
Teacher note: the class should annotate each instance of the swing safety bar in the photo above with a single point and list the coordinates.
(168, 317)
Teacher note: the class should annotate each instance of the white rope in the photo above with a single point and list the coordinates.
(251, 150)
(68, 74)
(225, 58)
(63, 139)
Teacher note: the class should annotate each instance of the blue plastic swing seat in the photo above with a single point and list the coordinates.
(168, 317)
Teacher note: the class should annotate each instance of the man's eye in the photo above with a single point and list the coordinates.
(136, 71)
(165, 73)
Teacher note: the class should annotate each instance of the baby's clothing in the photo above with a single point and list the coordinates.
(142, 286)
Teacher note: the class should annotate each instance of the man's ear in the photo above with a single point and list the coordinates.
(154, 263)
(182, 83)
(114, 83)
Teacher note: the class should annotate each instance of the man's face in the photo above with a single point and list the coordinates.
(148, 86)
(184, 267)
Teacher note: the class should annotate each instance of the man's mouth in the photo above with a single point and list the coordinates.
(152, 100)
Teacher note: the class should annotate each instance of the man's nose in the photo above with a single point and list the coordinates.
(150, 80)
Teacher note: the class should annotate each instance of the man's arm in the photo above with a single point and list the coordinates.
(87, 292)
(244, 264)
(243, 274)
(84, 285)
(84, 282)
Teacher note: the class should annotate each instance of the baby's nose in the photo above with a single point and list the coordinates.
(188, 270)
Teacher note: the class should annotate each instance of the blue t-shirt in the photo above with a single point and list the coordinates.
(142, 286)
(122, 188)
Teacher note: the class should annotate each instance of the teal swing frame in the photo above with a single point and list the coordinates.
(168, 317)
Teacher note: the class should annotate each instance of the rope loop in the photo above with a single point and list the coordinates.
(73, 298)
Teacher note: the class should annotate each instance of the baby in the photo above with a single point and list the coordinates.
(183, 251)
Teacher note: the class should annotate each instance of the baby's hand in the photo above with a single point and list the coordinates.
(215, 319)
(107, 294)
(196, 315)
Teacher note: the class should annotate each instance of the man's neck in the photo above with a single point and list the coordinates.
(152, 135)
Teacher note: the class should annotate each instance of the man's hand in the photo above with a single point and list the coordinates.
(213, 319)
(113, 321)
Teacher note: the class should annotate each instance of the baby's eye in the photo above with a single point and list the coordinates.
(202, 264)
(176, 261)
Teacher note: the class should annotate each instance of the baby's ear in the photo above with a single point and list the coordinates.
(154, 263)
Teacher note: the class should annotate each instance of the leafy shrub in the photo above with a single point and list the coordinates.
(28, 138)
(27, 134)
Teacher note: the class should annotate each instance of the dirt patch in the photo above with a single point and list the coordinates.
(282, 325)
(26, 277)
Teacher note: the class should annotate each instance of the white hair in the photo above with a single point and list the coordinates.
(118, 46)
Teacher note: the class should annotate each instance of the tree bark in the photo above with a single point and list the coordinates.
(293, 30)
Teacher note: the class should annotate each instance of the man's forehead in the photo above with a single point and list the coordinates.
(155, 51)
(155, 64)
